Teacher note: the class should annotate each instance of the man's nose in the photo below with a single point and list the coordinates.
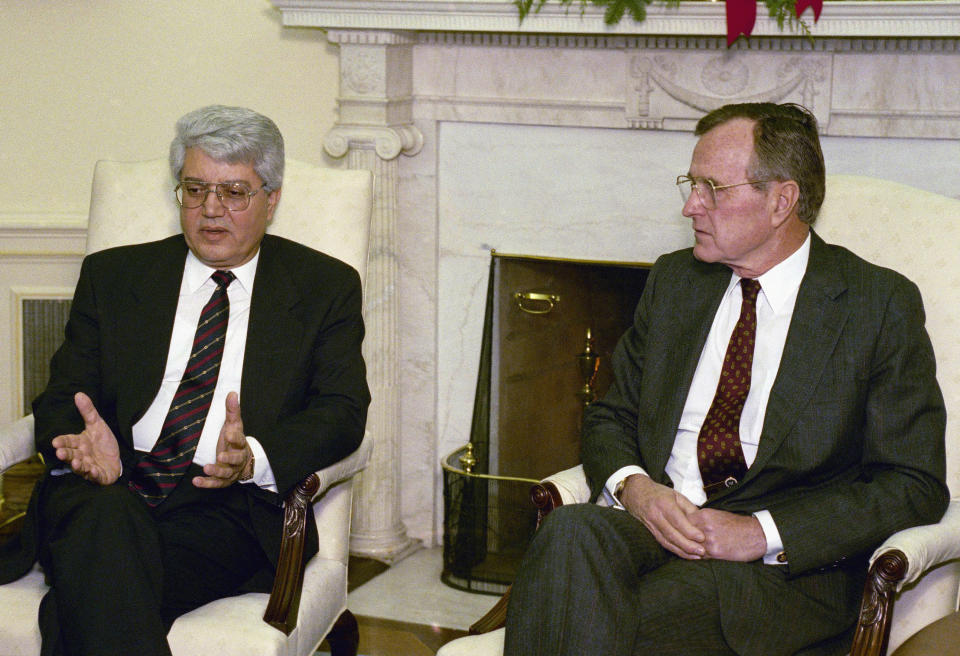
(212, 205)
(692, 206)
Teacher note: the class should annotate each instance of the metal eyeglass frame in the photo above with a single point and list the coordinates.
(714, 188)
(217, 189)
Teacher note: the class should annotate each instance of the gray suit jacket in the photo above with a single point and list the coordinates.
(852, 447)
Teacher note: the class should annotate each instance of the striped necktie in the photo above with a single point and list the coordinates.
(159, 472)
(719, 453)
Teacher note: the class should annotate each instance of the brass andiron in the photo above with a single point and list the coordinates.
(468, 461)
(589, 364)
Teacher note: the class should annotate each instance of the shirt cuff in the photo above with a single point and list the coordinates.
(262, 473)
(774, 555)
(618, 477)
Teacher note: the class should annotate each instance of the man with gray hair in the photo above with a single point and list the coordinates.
(774, 416)
(201, 378)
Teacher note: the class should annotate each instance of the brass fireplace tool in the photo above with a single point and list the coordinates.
(589, 364)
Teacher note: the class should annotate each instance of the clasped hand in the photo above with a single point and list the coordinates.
(689, 531)
(94, 454)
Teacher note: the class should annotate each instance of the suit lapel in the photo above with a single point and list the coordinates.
(818, 318)
(147, 319)
(274, 334)
(695, 302)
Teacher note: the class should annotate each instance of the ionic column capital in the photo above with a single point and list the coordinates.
(387, 142)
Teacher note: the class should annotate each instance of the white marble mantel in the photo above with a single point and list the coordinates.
(553, 137)
(936, 18)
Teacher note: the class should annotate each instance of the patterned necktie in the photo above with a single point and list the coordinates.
(719, 453)
(159, 472)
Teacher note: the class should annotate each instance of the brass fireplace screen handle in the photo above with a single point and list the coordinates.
(535, 303)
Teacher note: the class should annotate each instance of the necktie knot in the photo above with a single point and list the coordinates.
(749, 287)
(223, 278)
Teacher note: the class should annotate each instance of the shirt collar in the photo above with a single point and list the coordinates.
(196, 273)
(779, 285)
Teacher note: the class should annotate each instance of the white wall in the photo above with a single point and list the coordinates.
(107, 79)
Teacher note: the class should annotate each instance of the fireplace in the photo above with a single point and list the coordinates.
(562, 136)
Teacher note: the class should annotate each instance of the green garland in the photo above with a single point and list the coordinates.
(780, 10)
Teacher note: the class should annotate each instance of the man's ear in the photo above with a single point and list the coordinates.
(785, 201)
(273, 199)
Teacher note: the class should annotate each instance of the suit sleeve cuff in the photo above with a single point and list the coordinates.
(775, 554)
(609, 490)
(262, 473)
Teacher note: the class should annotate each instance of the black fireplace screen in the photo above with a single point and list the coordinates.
(542, 317)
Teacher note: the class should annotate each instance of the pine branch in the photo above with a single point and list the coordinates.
(782, 11)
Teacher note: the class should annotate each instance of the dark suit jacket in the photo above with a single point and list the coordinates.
(852, 447)
(303, 394)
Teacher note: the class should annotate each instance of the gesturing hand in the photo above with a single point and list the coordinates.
(666, 514)
(233, 452)
(93, 453)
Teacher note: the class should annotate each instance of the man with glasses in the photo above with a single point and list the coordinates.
(164, 487)
(774, 416)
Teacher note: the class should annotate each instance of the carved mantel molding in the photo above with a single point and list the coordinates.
(871, 68)
(903, 19)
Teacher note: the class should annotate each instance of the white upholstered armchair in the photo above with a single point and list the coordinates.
(915, 575)
(328, 210)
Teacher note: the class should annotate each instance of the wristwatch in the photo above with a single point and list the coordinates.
(617, 491)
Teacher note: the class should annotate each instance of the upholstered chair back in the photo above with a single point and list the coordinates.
(326, 209)
(916, 233)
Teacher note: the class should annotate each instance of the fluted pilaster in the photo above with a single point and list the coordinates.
(374, 129)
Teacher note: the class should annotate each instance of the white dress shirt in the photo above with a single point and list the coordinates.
(775, 303)
(195, 290)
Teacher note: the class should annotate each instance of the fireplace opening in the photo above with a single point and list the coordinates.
(550, 326)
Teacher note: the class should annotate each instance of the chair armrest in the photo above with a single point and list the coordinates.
(565, 487)
(902, 560)
(284, 603)
(16, 442)
(571, 485)
(344, 469)
(925, 546)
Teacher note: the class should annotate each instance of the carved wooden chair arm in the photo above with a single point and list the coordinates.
(876, 608)
(546, 497)
(284, 601)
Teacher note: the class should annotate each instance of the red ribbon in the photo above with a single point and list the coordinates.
(742, 14)
(817, 8)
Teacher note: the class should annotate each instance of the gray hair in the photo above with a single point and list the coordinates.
(786, 146)
(233, 135)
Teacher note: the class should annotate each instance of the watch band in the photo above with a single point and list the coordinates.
(617, 491)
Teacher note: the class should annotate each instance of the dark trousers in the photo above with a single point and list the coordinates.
(122, 572)
(594, 581)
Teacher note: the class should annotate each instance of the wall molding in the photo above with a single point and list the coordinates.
(39, 220)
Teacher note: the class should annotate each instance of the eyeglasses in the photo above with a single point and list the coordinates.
(235, 196)
(706, 189)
